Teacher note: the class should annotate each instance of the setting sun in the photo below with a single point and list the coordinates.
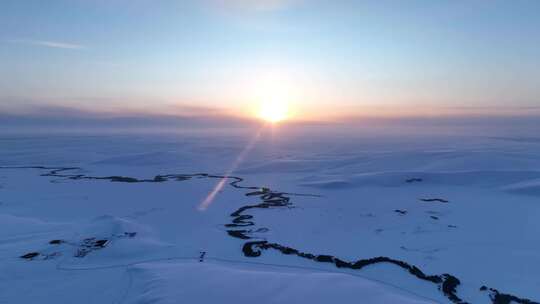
(273, 111)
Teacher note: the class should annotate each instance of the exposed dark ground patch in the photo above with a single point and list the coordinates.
(446, 283)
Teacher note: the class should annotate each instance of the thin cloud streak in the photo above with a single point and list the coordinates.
(254, 5)
(51, 44)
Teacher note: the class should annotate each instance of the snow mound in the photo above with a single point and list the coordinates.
(163, 283)
(531, 187)
(127, 242)
(395, 179)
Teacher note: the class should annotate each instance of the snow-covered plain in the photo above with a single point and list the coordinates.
(462, 205)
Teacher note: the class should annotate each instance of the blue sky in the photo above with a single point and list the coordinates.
(162, 56)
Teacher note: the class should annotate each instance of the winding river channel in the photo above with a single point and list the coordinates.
(242, 226)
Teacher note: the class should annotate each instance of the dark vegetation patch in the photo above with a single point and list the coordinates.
(29, 255)
(90, 244)
(121, 179)
(41, 256)
(431, 200)
(83, 248)
(503, 298)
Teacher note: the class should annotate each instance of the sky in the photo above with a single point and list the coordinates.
(325, 59)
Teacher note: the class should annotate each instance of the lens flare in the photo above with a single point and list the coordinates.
(209, 199)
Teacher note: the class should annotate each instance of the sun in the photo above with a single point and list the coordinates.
(273, 111)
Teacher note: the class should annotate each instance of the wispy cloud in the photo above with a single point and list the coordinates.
(255, 5)
(50, 44)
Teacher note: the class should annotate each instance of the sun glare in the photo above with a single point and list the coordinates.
(273, 111)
